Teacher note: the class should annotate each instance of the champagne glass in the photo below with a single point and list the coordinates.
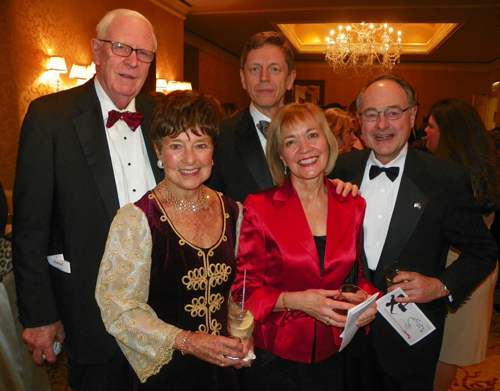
(392, 270)
(350, 293)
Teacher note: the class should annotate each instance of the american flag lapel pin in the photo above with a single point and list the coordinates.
(417, 205)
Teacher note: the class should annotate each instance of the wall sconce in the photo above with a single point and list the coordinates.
(57, 65)
(178, 85)
(78, 72)
(161, 85)
(91, 70)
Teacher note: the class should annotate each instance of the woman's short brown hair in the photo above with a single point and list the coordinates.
(181, 111)
(287, 117)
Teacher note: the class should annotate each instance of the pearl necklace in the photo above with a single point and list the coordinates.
(186, 206)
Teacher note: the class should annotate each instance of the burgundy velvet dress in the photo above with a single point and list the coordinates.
(189, 288)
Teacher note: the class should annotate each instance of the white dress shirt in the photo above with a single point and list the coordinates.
(380, 194)
(257, 117)
(129, 156)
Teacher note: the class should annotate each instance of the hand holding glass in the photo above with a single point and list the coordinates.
(351, 294)
(392, 270)
(240, 321)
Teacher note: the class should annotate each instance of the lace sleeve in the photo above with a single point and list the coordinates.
(122, 293)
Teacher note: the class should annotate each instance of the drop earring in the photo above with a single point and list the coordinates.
(285, 169)
(159, 163)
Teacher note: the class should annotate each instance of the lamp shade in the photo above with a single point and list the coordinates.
(178, 85)
(78, 72)
(91, 70)
(57, 64)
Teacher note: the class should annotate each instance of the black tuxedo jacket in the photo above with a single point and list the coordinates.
(240, 165)
(65, 198)
(435, 208)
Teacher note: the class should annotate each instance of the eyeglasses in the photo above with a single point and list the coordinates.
(123, 50)
(392, 114)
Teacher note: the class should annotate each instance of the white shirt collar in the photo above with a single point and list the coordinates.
(257, 115)
(398, 162)
(107, 104)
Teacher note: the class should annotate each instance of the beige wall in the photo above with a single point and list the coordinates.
(34, 28)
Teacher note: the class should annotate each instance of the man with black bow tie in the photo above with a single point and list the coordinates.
(417, 207)
(83, 154)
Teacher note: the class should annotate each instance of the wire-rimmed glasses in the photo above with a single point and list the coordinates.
(391, 113)
(124, 50)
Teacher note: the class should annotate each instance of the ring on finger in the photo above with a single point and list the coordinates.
(223, 365)
(328, 321)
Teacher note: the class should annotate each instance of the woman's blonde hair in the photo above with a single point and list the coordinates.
(340, 122)
(287, 117)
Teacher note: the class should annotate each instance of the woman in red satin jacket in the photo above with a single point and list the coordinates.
(298, 243)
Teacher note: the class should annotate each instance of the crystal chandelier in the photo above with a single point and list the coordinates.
(375, 47)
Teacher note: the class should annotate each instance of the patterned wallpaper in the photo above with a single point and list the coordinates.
(36, 29)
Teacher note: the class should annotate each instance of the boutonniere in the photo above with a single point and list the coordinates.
(417, 205)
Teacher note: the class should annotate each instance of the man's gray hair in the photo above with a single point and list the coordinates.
(105, 22)
(408, 89)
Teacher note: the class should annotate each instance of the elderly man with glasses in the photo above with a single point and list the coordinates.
(83, 154)
(417, 206)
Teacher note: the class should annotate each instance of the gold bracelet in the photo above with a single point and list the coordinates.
(284, 302)
(183, 342)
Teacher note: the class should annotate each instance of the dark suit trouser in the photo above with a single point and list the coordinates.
(271, 373)
(363, 372)
(112, 376)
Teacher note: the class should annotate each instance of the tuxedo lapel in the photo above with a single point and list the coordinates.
(142, 107)
(250, 149)
(89, 127)
(409, 208)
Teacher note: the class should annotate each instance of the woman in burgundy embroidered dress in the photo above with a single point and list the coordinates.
(169, 262)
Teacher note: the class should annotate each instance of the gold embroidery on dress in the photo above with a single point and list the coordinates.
(205, 278)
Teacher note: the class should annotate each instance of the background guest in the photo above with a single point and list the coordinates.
(229, 109)
(342, 125)
(296, 257)
(456, 132)
(19, 372)
(75, 168)
(169, 263)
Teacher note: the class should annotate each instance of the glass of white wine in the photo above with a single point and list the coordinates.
(392, 270)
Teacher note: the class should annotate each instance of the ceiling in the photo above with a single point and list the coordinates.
(475, 37)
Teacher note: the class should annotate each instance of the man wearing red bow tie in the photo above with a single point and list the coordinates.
(83, 154)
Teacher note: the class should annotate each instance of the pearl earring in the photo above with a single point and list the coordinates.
(159, 164)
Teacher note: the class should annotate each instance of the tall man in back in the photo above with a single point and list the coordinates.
(267, 71)
(82, 155)
(417, 206)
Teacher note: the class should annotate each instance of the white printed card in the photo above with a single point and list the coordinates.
(406, 318)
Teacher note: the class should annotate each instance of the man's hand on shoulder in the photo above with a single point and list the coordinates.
(346, 188)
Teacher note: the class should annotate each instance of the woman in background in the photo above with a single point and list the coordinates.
(342, 125)
(456, 132)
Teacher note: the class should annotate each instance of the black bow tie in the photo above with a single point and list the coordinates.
(133, 120)
(391, 172)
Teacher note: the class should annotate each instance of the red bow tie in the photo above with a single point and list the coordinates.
(133, 120)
